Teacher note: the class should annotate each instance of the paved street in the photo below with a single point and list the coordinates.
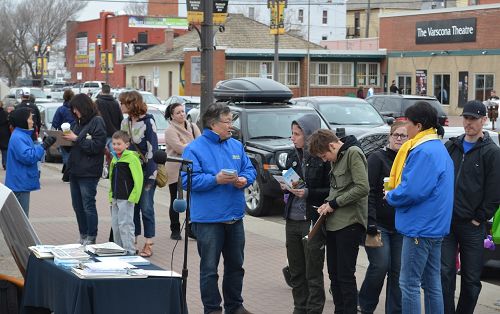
(264, 288)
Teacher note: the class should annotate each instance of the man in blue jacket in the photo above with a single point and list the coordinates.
(422, 178)
(221, 171)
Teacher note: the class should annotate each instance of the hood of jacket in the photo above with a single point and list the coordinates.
(19, 117)
(348, 141)
(308, 123)
(106, 97)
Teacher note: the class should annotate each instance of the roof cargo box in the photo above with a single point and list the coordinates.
(252, 89)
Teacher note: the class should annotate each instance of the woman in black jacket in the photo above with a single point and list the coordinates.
(85, 164)
(306, 258)
(385, 260)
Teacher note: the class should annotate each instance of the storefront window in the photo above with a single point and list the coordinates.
(483, 86)
(331, 74)
(368, 73)
(442, 88)
(404, 84)
(288, 74)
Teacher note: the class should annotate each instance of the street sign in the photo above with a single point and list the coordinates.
(277, 24)
(195, 11)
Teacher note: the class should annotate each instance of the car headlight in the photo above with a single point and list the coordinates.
(282, 157)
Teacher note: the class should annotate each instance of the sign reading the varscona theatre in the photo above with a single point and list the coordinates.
(447, 31)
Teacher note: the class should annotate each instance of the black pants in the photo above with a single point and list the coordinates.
(468, 239)
(342, 248)
(175, 226)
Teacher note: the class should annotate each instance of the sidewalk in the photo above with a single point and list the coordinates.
(264, 289)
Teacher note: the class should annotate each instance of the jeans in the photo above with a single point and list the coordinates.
(212, 240)
(146, 208)
(342, 247)
(420, 267)
(24, 200)
(83, 193)
(64, 154)
(385, 260)
(469, 240)
(305, 261)
(175, 225)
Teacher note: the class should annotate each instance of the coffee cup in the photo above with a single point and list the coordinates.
(66, 128)
(386, 184)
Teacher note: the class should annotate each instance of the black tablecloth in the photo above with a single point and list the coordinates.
(58, 289)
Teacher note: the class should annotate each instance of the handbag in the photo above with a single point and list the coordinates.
(374, 240)
(161, 170)
(495, 228)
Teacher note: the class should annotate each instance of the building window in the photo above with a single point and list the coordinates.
(325, 17)
(442, 88)
(288, 74)
(357, 26)
(301, 16)
(331, 74)
(483, 86)
(404, 84)
(195, 70)
(368, 74)
(324, 37)
(251, 13)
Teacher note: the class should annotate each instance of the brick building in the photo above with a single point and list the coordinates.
(247, 49)
(452, 54)
(86, 59)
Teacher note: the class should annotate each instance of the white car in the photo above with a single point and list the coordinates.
(40, 95)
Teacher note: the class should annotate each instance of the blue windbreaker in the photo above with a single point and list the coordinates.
(22, 157)
(424, 199)
(212, 202)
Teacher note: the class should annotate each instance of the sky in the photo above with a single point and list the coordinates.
(91, 11)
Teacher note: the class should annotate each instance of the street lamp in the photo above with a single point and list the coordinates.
(106, 53)
(42, 57)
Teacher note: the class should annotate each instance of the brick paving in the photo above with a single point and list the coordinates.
(264, 289)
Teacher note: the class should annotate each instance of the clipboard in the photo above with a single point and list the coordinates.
(58, 134)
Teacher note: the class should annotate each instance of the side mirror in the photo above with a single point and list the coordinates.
(390, 120)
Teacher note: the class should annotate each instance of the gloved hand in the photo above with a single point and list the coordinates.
(48, 141)
(372, 230)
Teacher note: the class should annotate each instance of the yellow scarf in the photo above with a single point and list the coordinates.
(400, 160)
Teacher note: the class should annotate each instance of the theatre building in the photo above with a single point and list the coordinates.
(452, 54)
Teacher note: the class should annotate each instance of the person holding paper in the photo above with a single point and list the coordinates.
(306, 259)
(385, 260)
(347, 210)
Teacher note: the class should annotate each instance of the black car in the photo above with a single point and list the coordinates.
(262, 118)
(395, 105)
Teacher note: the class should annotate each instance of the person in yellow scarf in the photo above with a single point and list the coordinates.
(422, 181)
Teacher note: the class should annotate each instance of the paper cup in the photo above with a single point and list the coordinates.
(66, 128)
(386, 184)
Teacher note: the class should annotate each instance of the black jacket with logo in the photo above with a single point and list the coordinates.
(477, 179)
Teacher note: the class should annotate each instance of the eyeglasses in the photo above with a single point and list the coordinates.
(226, 122)
(401, 136)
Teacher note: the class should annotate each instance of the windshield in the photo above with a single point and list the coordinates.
(359, 113)
(161, 122)
(38, 93)
(150, 99)
(274, 124)
(407, 102)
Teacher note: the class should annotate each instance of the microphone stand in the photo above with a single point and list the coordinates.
(186, 167)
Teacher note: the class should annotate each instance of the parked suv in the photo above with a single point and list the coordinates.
(395, 105)
(262, 118)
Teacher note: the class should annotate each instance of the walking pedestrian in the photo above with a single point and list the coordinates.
(141, 127)
(178, 135)
(385, 260)
(221, 172)
(422, 182)
(477, 177)
(85, 164)
(347, 210)
(306, 259)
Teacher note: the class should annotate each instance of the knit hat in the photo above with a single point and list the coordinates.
(19, 117)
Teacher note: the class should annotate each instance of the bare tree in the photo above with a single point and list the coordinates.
(30, 22)
(136, 8)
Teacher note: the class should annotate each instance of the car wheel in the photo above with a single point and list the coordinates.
(256, 202)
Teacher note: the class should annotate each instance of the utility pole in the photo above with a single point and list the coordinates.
(276, 42)
(207, 56)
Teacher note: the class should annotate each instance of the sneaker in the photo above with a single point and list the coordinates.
(176, 235)
(287, 276)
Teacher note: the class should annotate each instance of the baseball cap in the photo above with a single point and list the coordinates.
(26, 92)
(474, 108)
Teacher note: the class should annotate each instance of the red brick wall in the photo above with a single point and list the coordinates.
(398, 33)
(219, 72)
(160, 8)
(117, 26)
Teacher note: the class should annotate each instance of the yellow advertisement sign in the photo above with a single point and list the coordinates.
(109, 62)
(277, 24)
(81, 61)
(39, 66)
(195, 11)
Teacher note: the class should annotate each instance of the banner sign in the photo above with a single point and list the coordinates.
(157, 22)
(463, 88)
(81, 46)
(39, 66)
(92, 55)
(277, 24)
(421, 79)
(109, 62)
(195, 11)
(446, 31)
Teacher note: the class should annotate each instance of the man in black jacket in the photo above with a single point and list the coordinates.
(477, 178)
(110, 112)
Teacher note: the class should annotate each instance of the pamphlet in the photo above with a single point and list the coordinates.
(70, 252)
(106, 249)
(290, 179)
(42, 251)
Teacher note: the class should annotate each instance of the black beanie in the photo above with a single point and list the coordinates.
(19, 117)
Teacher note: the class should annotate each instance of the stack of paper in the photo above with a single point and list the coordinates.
(70, 252)
(106, 249)
(133, 260)
(42, 251)
(108, 269)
